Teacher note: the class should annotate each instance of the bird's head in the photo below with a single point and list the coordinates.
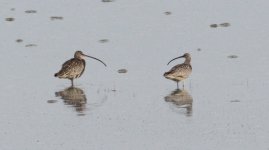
(80, 55)
(187, 57)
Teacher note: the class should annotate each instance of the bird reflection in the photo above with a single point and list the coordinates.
(75, 97)
(181, 99)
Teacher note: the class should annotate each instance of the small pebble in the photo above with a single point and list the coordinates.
(225, 24)
(103, 40)
(56, 18)
(233, 56)
(167, 13)
(51, 101)
(30, 11)
(235, 100)
(122, 71)
(12, 9)
(199, 49)
(107, 1)
(30, 45)
(19, 40)
(213, 25)
(10, 19)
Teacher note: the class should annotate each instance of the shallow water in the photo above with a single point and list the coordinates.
(224, 104)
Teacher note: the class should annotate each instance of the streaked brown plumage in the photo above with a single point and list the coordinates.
(180, 72)
(74, 67)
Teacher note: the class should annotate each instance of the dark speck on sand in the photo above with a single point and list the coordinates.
(122, 71)
(232, 56)
(30, 45)
(235, 100)
(226, 24)
(167, 13)
(51, 101)
(213, 25)
(107, 1)
(30, 11)
(103, 40)
(19, 40)
(56, 18)
(10, 19)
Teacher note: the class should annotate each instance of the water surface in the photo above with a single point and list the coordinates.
(139, 109)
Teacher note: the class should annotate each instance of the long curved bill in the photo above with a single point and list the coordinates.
(174, 59)
(95, 59)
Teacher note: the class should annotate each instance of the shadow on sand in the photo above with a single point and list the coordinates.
(181, 100)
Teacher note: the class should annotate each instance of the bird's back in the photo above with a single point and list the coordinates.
(71, 69)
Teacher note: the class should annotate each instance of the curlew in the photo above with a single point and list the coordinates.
(180, 72)
(74, 67)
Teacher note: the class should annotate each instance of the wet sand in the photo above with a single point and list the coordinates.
(224, 104)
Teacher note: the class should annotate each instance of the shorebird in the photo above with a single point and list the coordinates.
(180, 72)
(74, 67)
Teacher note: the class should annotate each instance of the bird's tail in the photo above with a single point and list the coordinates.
(165, 74)
(168, 75)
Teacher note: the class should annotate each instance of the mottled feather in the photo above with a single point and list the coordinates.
(179, 72)
(72, 68)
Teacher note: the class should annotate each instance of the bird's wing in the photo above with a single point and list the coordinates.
(181, 70)
(68, 64)
(67, 68)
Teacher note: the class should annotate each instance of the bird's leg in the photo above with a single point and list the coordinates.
(72, 83)
(183, 85)
(177, 84)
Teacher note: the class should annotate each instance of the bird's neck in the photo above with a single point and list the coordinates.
(187, 61)
(79, 58)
